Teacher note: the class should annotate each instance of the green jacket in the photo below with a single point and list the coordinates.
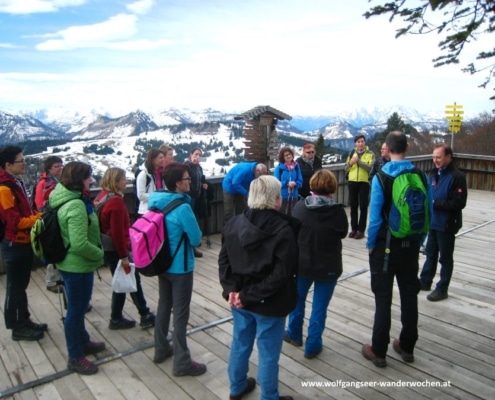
(78, 229)
(360, 171)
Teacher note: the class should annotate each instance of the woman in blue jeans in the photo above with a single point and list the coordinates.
(257, 267)
(81, 234)
(324, 224)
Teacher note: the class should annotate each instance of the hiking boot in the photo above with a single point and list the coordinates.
(27, 333)
(367, 352)
(90, 307)
(194, 369)
(82, 366)
(94, 348)
(293, 342)
(407, 357)
(122, 323)
(197, 253)
(55, 289)
(359, 235)
(436, 295)
(309, 356)
(424, 286)
(285, 398)
(35, 326)
(158, 359)
(148, 321)
(251, 385)
(352, 234)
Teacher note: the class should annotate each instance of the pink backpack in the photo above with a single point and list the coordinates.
(149, 242)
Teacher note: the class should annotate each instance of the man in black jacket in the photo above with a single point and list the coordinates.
(449, 198)
(258, 273)
(309, 163)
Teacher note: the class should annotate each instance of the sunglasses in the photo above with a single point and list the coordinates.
(310, 152)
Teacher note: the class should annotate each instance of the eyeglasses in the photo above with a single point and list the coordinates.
(23, 161)
(186, 179)
(287, 155)
(310, 152)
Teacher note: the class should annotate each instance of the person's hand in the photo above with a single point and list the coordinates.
(126, 265)
(292, 184)
(354, 159)
(235, 300)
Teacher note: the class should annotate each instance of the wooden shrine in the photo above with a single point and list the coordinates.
(260, 136)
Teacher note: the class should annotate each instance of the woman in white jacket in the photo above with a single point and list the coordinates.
(150, 178)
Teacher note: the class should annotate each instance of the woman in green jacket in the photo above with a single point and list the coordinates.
(81, 234)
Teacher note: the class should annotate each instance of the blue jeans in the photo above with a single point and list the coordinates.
(175, 291)
(78, 289)
(439, 243)
(321, 298)
(18, 258)
(269, 334)
(118, 299)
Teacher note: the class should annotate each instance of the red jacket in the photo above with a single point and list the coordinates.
(115, 222)
(15, 211)
(43, 189)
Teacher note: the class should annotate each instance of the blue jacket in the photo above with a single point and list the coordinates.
(392, 168)
(180, 220)
(239, 178)
(283, 174)
(449, 198)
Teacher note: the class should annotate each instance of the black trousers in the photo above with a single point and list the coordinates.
(18, 258)
(403, 265)
(359, 196)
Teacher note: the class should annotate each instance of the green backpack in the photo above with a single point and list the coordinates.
(406, 209)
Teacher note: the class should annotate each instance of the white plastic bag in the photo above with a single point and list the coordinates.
(122, 282)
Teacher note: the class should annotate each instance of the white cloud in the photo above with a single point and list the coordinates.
(36, 6)
(141, 7)
(119, 27)
(9, 46)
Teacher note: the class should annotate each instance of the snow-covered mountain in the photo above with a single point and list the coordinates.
(337, 128)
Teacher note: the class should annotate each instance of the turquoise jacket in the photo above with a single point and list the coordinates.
(79, 229)
(178, 221)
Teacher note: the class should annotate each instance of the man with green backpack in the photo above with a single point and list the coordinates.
(399, 220)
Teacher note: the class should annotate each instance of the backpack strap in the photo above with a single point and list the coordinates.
(170, 207)
(386, 182)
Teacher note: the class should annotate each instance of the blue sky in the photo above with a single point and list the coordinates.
(301, 57)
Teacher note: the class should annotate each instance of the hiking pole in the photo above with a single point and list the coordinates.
(206, 218)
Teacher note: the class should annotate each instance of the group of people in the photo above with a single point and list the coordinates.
(270, 258)
(83, 222)
(274, 248)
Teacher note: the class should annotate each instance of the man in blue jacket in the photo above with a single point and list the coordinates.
(449, 198)
(402, 264)
(236, 187)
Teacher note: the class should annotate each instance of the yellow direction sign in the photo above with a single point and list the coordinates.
(454, 114)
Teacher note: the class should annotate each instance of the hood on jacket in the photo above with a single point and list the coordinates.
(394, 168)
(259, 225)
(162, 198)
(61, 195)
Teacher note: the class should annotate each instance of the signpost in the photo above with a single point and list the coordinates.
(454, 115)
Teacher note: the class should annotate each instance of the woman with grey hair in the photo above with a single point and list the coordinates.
(258, 267)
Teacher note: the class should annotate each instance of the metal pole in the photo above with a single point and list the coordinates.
(452, 133)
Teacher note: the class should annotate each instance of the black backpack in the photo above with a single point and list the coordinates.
(46, 237)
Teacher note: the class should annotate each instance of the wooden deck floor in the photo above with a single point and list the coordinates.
(455, 354)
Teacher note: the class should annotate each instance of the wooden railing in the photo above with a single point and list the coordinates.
(479, 170)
